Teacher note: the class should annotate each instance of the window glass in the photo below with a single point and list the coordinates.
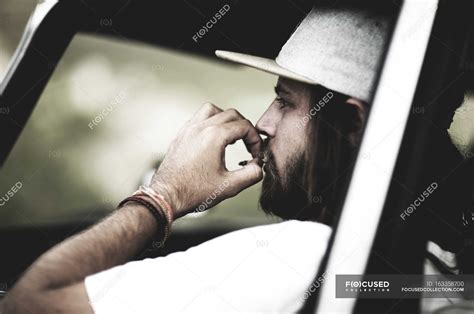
(106, 118)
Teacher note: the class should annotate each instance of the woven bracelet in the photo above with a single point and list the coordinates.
(158, 213)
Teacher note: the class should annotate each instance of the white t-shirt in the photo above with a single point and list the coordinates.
(259, 269)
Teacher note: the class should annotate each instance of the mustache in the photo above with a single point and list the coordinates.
(264, 154)
(267, 154)
(269, 160)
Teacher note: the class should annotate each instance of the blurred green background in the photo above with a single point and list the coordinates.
(71, 172)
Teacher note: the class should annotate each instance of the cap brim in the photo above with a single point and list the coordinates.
(264, 64)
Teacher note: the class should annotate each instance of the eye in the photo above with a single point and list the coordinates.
(283, 103)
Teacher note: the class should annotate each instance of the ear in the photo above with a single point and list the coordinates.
(359, 104)
(357, 116)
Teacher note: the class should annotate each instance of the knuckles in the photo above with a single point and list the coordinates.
(247, 123)
(210, 108)
(234, 113)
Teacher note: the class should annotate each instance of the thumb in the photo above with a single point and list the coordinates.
(250, 174)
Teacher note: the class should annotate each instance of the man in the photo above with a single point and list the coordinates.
(312, 133)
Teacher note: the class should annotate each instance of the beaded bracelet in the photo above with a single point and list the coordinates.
(157, 212)
(158, 199)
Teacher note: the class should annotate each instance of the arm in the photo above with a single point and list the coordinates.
(191, 171)
(56, 279)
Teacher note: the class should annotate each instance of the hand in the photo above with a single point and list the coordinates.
(193, 173)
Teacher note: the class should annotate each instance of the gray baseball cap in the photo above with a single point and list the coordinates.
(341, 48)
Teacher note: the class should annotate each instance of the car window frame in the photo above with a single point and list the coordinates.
(368, 189)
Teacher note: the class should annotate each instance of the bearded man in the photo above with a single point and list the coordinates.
(327, 71)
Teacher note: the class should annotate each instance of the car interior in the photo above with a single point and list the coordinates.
(68, 44)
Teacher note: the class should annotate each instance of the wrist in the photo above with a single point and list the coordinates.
(144, 218)
(162, 220)
(170, 196)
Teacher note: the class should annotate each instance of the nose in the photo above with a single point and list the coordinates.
(268, 122)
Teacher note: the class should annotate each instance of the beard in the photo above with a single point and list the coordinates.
(284, 195)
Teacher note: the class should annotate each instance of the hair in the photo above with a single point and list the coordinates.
(334, 135)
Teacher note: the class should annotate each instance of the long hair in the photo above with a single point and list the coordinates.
(334, 135)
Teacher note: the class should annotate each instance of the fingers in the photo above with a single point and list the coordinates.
(205, 112)
(224, 117)
(242, 129)
(245, 177)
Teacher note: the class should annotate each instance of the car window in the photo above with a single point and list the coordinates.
(106, 118)
(461, 130)
(112, 107)
(13, 18)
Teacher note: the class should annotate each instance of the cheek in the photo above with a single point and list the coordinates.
(293, 128)
(290, 141)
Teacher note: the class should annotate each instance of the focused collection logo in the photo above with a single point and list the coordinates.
(367, 285)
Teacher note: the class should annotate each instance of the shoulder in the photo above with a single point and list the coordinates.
(286, 233)
(293, 226)
(263, 268)
(298, 244)
(266, 268)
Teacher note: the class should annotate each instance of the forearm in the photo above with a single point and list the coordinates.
(111, 242)
(55, 282)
